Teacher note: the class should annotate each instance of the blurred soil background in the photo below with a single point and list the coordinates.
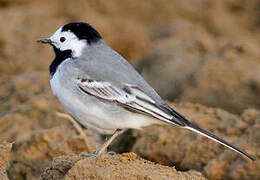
(202, 54)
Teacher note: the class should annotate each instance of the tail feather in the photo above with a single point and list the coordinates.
(183, 122)
(203, 132)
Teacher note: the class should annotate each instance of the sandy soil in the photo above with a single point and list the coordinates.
(202, 51)
(125, 166)
(5, 149)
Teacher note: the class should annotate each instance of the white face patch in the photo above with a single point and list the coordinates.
(66, 40)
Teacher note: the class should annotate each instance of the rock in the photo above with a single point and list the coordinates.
(125, 166)
(5, 150)
(171, 67)
(196, 67)
(15, 127)
(32, 156)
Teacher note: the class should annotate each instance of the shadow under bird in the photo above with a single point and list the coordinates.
(103, 92)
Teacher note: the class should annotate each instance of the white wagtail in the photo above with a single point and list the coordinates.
(103, 92)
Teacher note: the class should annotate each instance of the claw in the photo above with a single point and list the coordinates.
(93, 154)
(96, 153)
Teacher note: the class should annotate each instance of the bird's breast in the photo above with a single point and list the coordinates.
(55, 84)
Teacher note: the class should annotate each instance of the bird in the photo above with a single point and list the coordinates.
(102, 91)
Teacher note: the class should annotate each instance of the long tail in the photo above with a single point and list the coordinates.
(203, 132)
(183, 122)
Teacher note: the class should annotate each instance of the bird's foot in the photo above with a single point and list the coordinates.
(93, 154)
(97, 153)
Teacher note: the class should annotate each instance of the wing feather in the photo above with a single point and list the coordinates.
(130, 97)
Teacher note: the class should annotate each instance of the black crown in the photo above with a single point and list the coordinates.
(83, 31)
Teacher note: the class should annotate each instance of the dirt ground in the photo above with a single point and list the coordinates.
(192, 52)
(125, 166)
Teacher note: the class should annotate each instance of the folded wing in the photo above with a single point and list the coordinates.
(129, 97)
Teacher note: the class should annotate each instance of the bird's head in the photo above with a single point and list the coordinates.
(72, 38)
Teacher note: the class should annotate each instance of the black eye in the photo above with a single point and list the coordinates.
(62, 39)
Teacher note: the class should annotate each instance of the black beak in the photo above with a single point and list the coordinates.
(45, 41)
